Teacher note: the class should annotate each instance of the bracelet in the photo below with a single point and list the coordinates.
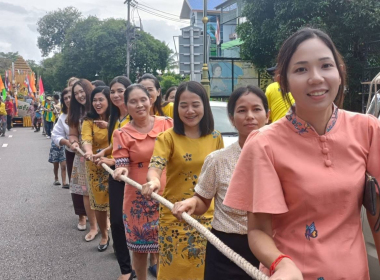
(276, 262)
(75, 141)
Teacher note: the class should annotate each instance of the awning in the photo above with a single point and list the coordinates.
(231, 44)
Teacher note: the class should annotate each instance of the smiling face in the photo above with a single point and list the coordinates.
(218, 71)
(190, 109)
(100, 103)
(117, 94)
(138, 104)
(149, 85)
(80, 94)
(249, 114)
(313, 77)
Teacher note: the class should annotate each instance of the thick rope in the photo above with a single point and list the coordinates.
(227, 251)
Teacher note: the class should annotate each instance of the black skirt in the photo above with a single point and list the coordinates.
(218, 266)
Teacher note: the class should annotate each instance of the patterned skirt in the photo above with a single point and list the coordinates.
(97, 179)
(57, 154)
(140, 215)
(182, 248)
(78, 182)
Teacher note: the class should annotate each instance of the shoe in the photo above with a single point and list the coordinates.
(48, 137)
(81, 227)
(153, 270)
(89, 237)
(104, 247)
(36, 131)
(56, 183)
(66, 186)
(133, 275)
(43, 133)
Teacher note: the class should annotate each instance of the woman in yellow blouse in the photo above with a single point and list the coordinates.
(182, 150)
(95, 139)
(118, 118)
(152, 84)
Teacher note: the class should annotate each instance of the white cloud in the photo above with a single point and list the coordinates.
(18, 31)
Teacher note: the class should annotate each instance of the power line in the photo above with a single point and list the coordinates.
(161, 16)
(139, 3)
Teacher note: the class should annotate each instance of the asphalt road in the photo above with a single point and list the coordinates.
(38, 235)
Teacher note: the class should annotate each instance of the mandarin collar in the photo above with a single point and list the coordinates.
(131, 130)
(304, 128)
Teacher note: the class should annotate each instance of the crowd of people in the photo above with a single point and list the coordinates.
(286, 196)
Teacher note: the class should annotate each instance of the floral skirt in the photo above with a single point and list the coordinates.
(78, 182)
(182, 249)
(140, 216)
(97, 179)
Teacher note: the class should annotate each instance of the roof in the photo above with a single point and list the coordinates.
(225, 3)
(21, 64)
(231, 44)
(197, 5)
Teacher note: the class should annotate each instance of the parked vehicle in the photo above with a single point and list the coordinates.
(222, 122)
(373, 260)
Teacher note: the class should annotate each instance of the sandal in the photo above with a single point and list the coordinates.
(153, 270)
(90, 237)
(81, 227)
(56, 183)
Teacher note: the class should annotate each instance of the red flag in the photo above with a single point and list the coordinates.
(41, 86)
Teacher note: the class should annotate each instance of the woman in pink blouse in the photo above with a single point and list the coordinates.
(247, 110)
(302, 178)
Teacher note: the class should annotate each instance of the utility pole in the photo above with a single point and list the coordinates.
(205, 80)
(127, 67)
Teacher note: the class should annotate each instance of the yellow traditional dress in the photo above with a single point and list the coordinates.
(182, 248)
(97, 177)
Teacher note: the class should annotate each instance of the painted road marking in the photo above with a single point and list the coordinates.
(10, 136)
(5, 145)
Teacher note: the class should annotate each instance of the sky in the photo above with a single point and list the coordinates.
(18, 29)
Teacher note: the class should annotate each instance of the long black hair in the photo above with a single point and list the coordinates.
(239, 92)
(115, 112)
(77, 110)
(92, 114)
(206, 125)
(157, 106)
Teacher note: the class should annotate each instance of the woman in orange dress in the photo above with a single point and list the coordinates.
(133, 147)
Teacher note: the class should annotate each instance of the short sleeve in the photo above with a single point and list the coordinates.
(255, 186)
(207, 186)
(373, 161)
(87, 133)
(162, 151)
(120, 150)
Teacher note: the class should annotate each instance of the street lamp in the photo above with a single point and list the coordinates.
(205, 81)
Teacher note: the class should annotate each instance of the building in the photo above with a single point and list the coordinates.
(231, 15)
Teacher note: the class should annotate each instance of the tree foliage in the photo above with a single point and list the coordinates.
(350, 24)
(93, 46)
(6, 60)
(53, 28)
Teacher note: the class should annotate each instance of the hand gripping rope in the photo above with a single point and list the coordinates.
(227, 251)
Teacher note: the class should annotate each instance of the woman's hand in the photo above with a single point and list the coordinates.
(188, 206)
(89, 156)
(150, 187)
(121, 171)
(101, 124)
(98, 156)
(74, 146)
(108, 161)
(286, 270)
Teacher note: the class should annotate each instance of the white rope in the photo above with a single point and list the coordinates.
(227, 251)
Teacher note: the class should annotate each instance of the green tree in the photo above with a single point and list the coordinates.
(53, 28)
(350, 23)
(6, 60)
(170, 79)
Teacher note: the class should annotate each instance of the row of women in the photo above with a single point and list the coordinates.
(286, 195)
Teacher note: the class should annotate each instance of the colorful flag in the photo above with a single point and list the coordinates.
(41, 87)
(4, 94)
(27, 84)
(2, 89)
(1, 84)
(32, 81)
(217, 32)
